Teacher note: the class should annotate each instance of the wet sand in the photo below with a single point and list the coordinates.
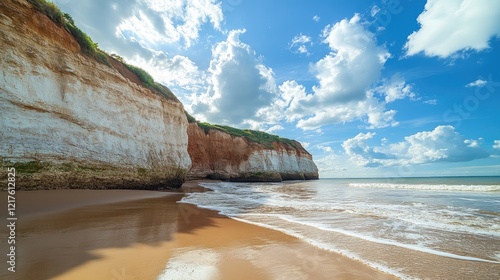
(85, 234)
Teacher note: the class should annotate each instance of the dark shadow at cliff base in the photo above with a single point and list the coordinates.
(263, 177)
(97, 178)
(50, 245)
(192, 218)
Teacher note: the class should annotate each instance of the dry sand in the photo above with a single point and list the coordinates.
(84, 234)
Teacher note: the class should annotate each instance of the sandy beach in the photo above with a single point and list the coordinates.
(85, 234)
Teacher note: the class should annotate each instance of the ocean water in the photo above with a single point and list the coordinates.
(413, 228)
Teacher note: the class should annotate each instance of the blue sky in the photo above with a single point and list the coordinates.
(371, 88)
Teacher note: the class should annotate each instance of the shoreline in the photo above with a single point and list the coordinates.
(141, 233)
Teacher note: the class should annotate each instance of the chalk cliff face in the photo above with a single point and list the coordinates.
(75, 122)
(219, 155)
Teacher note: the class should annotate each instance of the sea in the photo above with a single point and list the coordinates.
(412, 228)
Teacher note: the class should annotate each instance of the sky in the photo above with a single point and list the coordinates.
(385, 88)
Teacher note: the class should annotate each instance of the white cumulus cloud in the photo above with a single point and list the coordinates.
(327, 149)
(175, 71)
(354, 63)
(477, 83)
(361, 153)
(299, 44)
(157, 21)
(450, 26)
(394, 89)
(274, 128)
(240, 86)
(344, 79)
(292, 94)
(370, 110)
(496, 144)
(443, 144)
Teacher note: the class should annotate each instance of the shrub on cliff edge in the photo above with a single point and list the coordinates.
(86, 44)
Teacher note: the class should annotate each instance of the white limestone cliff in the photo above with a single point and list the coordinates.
(59, 106)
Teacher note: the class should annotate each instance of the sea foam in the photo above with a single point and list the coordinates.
(437, 187)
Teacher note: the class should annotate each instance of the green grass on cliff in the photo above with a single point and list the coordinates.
(252, 135)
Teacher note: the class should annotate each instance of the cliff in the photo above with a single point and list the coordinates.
(219, 155)
(72, 116)
(68, 121)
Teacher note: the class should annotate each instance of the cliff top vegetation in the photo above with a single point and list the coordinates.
(252, 135)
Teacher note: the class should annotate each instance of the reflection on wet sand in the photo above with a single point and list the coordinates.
(50, 245)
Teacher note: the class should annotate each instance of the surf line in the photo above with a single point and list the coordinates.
(383, 241)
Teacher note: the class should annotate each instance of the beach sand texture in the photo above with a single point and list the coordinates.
(88, 234)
